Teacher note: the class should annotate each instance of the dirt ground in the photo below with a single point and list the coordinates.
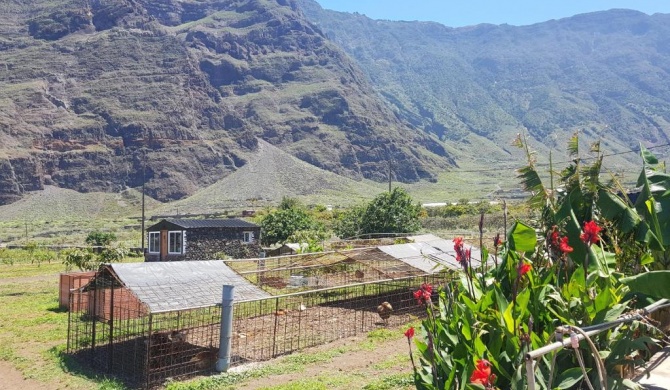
(12, 379)
(363, 364)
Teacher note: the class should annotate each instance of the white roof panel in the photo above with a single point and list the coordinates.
(180, 285)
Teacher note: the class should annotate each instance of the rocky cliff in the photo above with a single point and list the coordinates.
(103, 95)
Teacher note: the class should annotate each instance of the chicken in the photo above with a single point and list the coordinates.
(205, 360)
(384, 310)
(359, 274)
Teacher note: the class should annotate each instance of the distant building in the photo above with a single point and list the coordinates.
(290, 248)
(202, 239)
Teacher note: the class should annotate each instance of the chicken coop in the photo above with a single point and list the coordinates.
(146, 322)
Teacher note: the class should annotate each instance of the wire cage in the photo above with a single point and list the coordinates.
(266, 328)
(145, 323)
(112, 330)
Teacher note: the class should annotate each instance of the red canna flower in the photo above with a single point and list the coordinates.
(590, 235)
(524, 269)
(427, 287)
(482, 373)
(418, 296)
(422, 295)
(496, 240)
(554, 237)
(409, 333)
(564, 247)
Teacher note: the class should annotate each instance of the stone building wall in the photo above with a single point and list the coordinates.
(210, 244)
(215, 244)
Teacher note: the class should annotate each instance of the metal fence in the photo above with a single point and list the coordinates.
(112, 330)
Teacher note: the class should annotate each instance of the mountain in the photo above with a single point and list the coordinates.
(270, 175)
(101, 95)
(604, 74)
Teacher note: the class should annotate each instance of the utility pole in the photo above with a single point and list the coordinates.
(390, 171)
(144, 167)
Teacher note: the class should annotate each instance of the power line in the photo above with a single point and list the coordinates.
(484, 170)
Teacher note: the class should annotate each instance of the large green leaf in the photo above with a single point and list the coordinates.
(613, 208)
(647, 156)
(569, 378)
(522, 238)
(654, 283)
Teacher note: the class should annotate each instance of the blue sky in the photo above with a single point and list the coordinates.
(458, 13)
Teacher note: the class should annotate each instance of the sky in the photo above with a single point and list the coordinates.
(459, 13)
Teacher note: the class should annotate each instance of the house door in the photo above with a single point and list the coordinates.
(164, 245)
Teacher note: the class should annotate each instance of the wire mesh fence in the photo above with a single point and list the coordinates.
(116, 333)
(145, 323)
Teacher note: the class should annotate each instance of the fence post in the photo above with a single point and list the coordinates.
(223, 363)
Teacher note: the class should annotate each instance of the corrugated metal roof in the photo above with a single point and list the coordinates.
(429, 253)
(212, 223)
(180, 285)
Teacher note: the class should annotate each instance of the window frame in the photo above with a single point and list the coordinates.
(158, 242)
(181, 242)
(250, 234)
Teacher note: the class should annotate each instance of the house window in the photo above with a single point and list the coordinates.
(154, 242)
(175, 242)
(248, 237)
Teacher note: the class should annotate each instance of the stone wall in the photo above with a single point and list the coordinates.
(209, 244)
(215, 244)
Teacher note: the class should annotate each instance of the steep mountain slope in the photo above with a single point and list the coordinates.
(270, 175)
(605, 74)
(99, 95)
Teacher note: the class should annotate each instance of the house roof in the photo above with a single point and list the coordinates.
(203, 223)
(181, 285)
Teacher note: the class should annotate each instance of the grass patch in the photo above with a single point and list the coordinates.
(392, 382)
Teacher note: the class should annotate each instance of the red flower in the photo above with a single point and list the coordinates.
(409, 333)
(427, 287)
(590, 235)
(418, 295)
(422, 295)
(564, 247)
(524, 269)
(496, 240)
(554, 237)
(482, 373)
(468, 254)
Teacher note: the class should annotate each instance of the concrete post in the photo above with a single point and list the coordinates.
(223, 363)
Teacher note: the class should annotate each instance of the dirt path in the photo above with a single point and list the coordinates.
(12, 379)
(355, 368)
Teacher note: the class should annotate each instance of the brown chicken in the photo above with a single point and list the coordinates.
(359, 274)
(205, 360)
(384, 310)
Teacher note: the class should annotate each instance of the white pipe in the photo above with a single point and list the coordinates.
(226, 334)
(530, 374)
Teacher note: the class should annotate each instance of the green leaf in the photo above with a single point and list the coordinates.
(615, 209)
(647, 258)
(654, 283)
(647, 156)
(522, 238)
(569, 378)
(508, 319)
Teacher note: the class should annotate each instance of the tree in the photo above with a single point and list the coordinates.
(280, 224)
(350, 223)
(98, 238)
(389, 212)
